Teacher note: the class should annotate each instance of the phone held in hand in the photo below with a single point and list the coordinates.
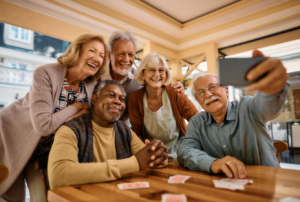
(233, 71)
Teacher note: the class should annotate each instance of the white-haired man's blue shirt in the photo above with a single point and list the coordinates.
(242, 134)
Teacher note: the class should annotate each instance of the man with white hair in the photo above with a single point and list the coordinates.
(230, 134)
(122, 47)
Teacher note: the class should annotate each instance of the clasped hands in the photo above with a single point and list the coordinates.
(152, 155)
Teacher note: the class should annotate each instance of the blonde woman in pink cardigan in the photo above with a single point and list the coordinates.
(59, 92)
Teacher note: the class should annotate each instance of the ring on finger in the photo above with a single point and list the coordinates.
(228, 162)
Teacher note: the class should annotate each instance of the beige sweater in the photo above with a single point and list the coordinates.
(23, 122)
(64, 168)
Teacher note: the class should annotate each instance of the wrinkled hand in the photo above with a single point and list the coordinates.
(276, 77)
(232, 167)
(178, 86)
(153, 154)
(81, 109)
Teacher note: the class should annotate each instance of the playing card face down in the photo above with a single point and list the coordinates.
(134, 185)
(173, 198)
(228, 185)
(178, 179)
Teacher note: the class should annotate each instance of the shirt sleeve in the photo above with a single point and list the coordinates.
(136, 143)
(64, 168)
(189, 151)
(186, 108)
(267, 107)
(41, 107)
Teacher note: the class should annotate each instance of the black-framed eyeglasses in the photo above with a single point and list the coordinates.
(212, 88)
(161, 71)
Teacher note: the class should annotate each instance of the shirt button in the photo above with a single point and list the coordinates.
(224, 145)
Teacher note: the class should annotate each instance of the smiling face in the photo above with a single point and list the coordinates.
(155, 77)
(212, 102)
(91, 58)
(108, 106)
(122, 57)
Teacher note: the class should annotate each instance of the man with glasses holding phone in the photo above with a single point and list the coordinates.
(230, 134)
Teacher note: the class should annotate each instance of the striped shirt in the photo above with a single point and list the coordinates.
(67, 97)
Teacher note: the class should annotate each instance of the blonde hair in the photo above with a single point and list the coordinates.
(151, 60)
(70, 57)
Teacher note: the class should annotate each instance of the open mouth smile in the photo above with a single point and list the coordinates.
(91, 65)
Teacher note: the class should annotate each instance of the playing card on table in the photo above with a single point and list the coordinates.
(228, 185)
(134, 185)
(178, 179)
(237, 181)
(173, 198)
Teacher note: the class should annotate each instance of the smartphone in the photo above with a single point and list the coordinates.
(233, 71)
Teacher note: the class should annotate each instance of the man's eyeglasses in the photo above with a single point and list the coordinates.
(160, 71)
(212, 88)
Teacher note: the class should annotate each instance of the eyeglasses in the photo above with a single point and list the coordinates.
(212, 88)
(160, 71)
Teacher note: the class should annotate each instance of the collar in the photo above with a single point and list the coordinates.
(107, 75)
(230, 115)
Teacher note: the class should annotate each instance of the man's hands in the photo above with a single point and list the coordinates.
(232, 167)
(81, 109)
(153, 154)
(276, 77)
(178, 86)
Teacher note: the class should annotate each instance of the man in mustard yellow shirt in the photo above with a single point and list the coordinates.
(97, 147)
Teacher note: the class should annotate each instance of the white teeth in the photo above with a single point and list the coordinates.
(156, 79)
(92, 65)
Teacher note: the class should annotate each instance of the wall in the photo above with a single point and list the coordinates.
(288, 115)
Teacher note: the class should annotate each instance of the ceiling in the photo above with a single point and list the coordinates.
(185, 11)
(176, 24)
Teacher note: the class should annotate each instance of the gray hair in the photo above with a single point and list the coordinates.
(120, 35)
(151, 60)
(198, 76)
(101, 85)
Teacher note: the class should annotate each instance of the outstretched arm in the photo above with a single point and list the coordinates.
(272, 89)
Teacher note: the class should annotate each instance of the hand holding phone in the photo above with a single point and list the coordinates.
(266, 74)
(233, 71)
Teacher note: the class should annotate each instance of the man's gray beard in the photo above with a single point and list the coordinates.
(119, 71)
(110, 118)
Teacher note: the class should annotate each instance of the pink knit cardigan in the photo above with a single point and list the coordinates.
(23, 122)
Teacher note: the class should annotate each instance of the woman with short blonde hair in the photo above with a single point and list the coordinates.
(157, 111)
(59, 93)
(151, 60)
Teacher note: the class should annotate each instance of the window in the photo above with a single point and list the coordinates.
(19, 34)
(17, 65)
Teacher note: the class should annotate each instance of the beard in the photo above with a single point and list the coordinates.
(112, 117)
(123, 72)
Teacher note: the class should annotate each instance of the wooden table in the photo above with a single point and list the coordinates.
(270, 184)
